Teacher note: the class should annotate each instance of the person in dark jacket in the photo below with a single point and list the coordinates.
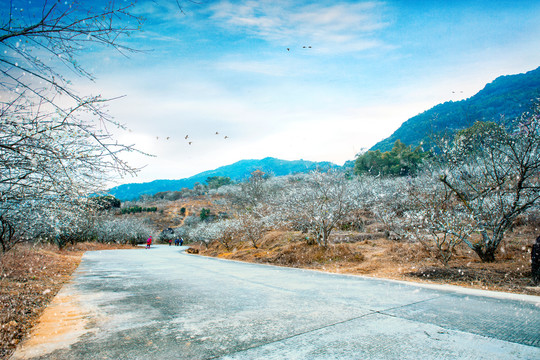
(535, 261)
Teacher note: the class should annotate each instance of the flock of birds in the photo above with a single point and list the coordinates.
(187, 137)
(217, 132)
(190, 142)
(303, 47)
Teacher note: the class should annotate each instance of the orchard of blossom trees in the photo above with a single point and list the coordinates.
(470, 190)
(56, 150)
(55, 146)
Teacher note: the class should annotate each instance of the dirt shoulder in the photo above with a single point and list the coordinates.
(30, 277)
(383, 258)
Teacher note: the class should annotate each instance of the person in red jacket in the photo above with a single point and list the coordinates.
(149, 242)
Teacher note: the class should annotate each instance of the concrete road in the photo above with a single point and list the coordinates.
(164, 304)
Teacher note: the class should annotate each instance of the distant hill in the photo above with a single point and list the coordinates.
(507, 96)
(238, 171)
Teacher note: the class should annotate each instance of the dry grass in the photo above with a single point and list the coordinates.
(29, 278)
(390, 259)
(299, 254)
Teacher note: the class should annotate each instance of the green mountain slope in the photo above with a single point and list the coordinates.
(237, 171)
(507, 96)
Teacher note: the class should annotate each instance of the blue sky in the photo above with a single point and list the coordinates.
(240, 68)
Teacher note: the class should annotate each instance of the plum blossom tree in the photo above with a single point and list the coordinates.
(253, 206)
(41, 39)
(123, 230)
(495, 175)
(252, 228)
(226, 232)
(435, 218)
(317, 202)
(388, 199)
(55, 146)
(203, 233)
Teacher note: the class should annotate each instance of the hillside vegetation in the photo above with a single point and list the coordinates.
(237, 172)
(504, 98)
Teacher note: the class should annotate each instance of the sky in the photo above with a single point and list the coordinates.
(312, 80)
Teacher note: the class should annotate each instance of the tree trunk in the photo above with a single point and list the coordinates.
(486, 254)
(326, 236)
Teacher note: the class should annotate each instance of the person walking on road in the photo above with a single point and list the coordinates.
(149, 242)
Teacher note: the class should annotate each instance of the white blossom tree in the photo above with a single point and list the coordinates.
(317, 202)
(123, 230)
(203, 233)
(55, 146)
(251, 228)
(435, 218)
(388, 199)
(495, 175)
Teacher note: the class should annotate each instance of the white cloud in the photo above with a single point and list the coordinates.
(270, 68)
(221, 77)
(326, 27)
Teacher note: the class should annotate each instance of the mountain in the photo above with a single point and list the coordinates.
(507, 96)
(238, 171)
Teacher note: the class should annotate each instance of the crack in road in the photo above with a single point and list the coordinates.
(372, 312)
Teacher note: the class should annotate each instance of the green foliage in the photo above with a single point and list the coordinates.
(402, 160)
(170, 195)
(238, 171)
(504, 98)
(478, 136)
(105, 202)
(137, 209)
(215, 182)
(204, 214)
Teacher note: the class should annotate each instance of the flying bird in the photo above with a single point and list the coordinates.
(168, 137)
(226, 137)
(217, 133)
(186, 137)
(288, 49)
(189, 143)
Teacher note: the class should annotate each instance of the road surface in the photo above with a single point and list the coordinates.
(164, 304)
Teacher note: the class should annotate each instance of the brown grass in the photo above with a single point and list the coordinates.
(391, 259)
(29, 278)
(299, 254)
